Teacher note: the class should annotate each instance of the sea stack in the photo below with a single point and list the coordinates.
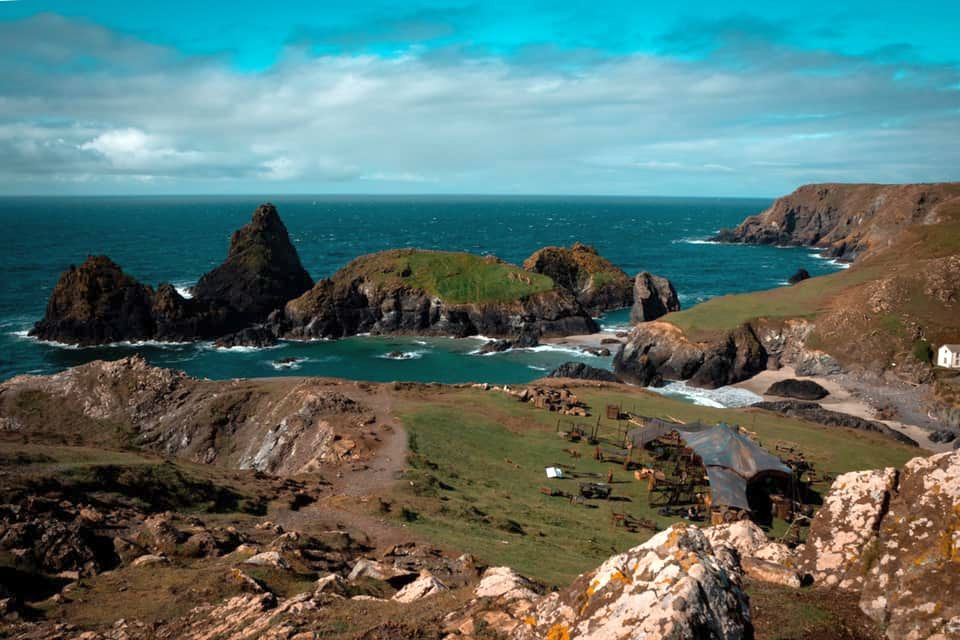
(653, 296)
(261, 273)
(97, 303)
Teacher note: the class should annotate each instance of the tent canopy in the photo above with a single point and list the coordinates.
(730, 457)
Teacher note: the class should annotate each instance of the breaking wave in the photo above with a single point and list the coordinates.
(722, 398)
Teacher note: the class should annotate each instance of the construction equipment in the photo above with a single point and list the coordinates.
(595, 490)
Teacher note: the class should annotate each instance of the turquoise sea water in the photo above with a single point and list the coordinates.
(176, 239)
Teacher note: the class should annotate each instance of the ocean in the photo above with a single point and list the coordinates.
(176, 239)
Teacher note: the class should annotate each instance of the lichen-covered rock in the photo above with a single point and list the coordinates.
(672, 586)
(597, 283)
(912, 585)
(653, 296)
(760, 558)
(425, 585)
(845, 526)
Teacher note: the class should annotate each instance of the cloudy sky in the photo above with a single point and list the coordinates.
(681, 98)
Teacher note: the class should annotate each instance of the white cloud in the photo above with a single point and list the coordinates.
(628, 124)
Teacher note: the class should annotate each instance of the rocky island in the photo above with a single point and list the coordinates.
(261, 293)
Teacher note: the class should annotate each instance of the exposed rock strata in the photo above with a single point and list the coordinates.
(846, 221)
(654, 296)
(597, 283)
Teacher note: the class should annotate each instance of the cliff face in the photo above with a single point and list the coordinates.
(429, 293)
(845, 220)
(261, 273)
(597, 283)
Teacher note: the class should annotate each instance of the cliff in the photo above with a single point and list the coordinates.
(597, 283)
(434, 293)
(846, 221)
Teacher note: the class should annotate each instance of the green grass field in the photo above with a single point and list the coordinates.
(478, 463)
(458, 278)
(802, 300)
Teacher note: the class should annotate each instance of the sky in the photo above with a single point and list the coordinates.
(729, 98)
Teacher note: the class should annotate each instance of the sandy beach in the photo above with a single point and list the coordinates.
(841, 400)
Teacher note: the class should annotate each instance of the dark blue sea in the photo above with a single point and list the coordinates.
(176, 239)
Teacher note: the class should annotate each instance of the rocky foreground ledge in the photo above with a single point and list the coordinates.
(887, 537)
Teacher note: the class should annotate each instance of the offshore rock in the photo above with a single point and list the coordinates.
(97, 303)
(653, 296)
(597, 283)
(386, 293)
(261, 273)
(799, 276)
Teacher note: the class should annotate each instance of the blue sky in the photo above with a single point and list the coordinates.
(683, 98)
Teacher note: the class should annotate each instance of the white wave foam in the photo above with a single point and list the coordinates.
(244, 348)
(722, 398)
(185, 289)
(24, 335)
(536, 368)
(403, 355)
(287, 365)
(833, 261)
(695, 241)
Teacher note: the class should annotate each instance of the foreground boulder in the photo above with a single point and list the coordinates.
(799, 389)
(653, 296)
(597, 283)
(672, 586)
(893, 537)
(261, 273)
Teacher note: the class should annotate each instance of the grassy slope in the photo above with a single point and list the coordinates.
(458, 278)
(490, 450)
(842, 304)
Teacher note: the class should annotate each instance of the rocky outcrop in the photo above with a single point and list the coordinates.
(815, 413)
(799, 276)
(675, 585)
(846, 221)
(386, 293)
(893, 537)
(597, 283)
(97, 303)
(911, 585)
(261, 273)
(582, 371)
(658, 351)
(281, 426)
(797, 389)
(653, 296)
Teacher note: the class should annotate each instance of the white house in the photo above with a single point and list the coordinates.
(949, 356)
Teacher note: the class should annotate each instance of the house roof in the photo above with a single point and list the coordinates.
(951, 347)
